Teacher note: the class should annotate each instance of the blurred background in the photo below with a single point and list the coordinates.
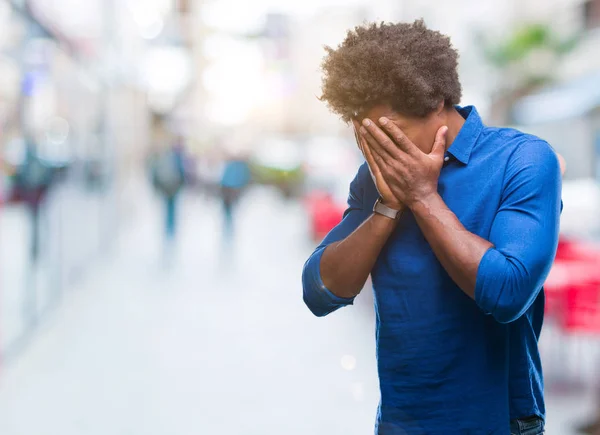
(166, 168)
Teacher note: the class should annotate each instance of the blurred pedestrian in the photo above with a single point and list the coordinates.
(592, 427)
(234, 180)
(32, 181)
(456, 222)
(168, 176)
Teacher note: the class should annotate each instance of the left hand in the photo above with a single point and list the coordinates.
(386, 194)
(411, 174)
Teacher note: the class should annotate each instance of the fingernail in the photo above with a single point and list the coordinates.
(383, 121)
(366, 122)
(363, 130)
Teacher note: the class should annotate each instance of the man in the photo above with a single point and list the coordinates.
(168, 176)
(456, 222)
(33, 180)
(234, 180)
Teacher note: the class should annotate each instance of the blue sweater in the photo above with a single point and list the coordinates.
(449, 364)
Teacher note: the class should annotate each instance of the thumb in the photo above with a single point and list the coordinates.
(439, 145)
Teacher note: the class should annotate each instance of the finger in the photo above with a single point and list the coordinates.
(357, 136)
(359, 139)
(383, 144)
(375, 169)
(371, 143)
(439, 145)
(398, 136)
(378, 160)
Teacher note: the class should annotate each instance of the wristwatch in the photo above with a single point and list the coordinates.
(384, 210)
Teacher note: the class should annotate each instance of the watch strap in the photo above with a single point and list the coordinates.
(386, 211)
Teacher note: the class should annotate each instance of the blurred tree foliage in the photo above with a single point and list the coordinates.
(523, 41)
(526, 59)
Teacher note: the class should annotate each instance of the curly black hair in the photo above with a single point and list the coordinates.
(405, 65)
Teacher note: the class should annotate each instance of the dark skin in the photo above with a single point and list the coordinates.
(405, 156)
(412, 174)
(346, 265)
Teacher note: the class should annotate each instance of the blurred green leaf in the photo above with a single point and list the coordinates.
(523, 41)
(513, 53)
(567, 45)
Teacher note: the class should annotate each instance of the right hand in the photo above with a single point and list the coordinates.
(387, 197)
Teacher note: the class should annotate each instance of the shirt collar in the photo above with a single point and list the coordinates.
(467, 136)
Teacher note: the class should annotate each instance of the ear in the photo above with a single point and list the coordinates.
(440, 107)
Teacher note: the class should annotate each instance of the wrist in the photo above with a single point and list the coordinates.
(424, 204)
(394, 204)
(381, 226)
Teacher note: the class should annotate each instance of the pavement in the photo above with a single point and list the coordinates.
(69, 241)
(210, 337)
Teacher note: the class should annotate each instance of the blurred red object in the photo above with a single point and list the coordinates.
(324, 213)
(582, 309)
(573, 287)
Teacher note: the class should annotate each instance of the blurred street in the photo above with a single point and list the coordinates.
(219, 341)
(30, 291)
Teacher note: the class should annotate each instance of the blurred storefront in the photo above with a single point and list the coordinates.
(567, 114)
(71, 97)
